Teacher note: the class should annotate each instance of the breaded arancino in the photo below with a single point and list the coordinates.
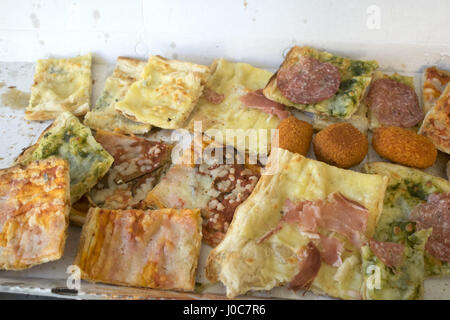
(404, 147)
(341, 145)
(295, 135)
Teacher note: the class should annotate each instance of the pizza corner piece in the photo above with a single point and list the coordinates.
(165, 93)
(34, 213)
(60, 85)
(224, 114)
(412, 205)
(434, 82)
(103, 114)
(347, 80)
(68, 139)
(144, 248)
(270, 243)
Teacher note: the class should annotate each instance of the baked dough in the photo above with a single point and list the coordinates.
(165, 93)
(154, 249)
(242, 263)
(60, 85)
(34, 213)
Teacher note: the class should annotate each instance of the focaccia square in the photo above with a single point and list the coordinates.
(355, 78)
(104, 115)
(232, 81)
(154, 249)
(165, 93)
(34, 212)
(434, 82)
(359, 120)
(406, 189)
(60, 85)
(68, 139)
(260, 252)
(436, 125)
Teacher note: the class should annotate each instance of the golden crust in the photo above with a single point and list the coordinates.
(434, 82)
(34, 211)
(153, 248)
(295, 135)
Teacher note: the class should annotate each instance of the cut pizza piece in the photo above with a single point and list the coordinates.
(393, 101)
(436, 125)
(60, 85)
(34, 212)
(303, 225)
(407, 192)
(233, 108)
(68, 139)
(434, 82)
(217, 184)
(138, 166)
(165, 93)
(320, 82)
(104, 115)
(153, 248)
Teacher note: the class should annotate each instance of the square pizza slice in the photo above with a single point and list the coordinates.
(165, 93)
(60, 85)
(104, 115)
(34, 213)
(217, 185)
(68, 139)
(152, 248)
(434, 82)
(302, 226)
(320, 82)
(436, 125)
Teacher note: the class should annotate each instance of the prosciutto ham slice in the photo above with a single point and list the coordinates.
(391, 254)
(308, 268)
(212, 96)
(435, 213)
(257, 100)
(331, 250)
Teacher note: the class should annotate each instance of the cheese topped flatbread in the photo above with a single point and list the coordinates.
(154, 249)
(263, 249)
(104, 115)
(34, 212)
(165, 93)
(67, 138)
(355, 76)
(60, 85)
(231, 81)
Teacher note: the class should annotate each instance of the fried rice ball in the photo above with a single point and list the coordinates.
(341, 145)
(404, 147)
(295, 135)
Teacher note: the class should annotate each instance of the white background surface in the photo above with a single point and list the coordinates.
(411, 35)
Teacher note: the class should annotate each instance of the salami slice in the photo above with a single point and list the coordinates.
(394, 103)
(435, 213)
(308, 81)
(391, 254)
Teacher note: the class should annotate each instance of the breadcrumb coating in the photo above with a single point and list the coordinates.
(295, 135)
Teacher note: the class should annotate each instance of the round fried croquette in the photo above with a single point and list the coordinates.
(404, 147)
(341, 145)
(295, 135)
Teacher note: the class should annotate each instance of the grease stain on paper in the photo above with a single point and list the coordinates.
(15, 99)
(35, 21)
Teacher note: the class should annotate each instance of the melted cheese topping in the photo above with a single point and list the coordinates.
(244, 263)
(104, 115)
(165, 93)
(434, 82)
(60, 85)
(155, 249)
(234, 80)
(34, 210)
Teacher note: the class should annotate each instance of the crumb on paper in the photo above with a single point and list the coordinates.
(15, 99)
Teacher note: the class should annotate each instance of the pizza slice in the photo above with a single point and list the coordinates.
(434, 82)
(34, 212)
(165, 93)
(217, 185)
(68, 139)
(302, 226)
(60, 85)
(153, 248)
(436, 125)
(320, 82)
(409, 193)
(104, 115)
